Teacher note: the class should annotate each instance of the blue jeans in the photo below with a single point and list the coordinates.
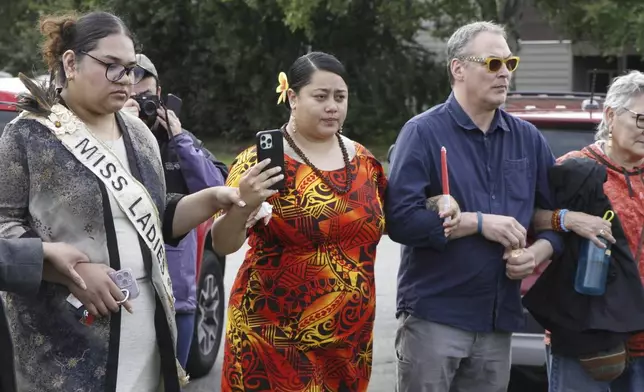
(632, 380)
(185, 328)
(565, 374)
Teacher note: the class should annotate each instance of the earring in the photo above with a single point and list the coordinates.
(294, 127)
(340, 130)
(610, 139)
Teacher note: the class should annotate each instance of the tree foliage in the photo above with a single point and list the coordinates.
(19, 34)
(223, 56)
(447, 15)
(611, 25)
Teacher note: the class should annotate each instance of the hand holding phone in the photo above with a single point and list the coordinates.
(270, 145)
(174, 103)
(123, 279)
(126, 281)
(102, 295)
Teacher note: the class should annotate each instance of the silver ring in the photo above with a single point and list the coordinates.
(602, 232)
(125, 292)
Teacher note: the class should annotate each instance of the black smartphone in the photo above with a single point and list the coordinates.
(174, 103)
(270, 144)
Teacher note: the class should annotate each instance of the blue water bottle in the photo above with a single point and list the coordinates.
(592, 265)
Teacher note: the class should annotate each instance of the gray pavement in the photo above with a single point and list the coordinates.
(384, 365)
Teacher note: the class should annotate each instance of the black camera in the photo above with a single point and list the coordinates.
(149, 103)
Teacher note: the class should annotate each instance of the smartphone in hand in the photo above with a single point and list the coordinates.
(125, 280)
(174, 103)
(270, 144)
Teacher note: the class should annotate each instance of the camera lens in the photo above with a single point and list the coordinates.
(149, 108)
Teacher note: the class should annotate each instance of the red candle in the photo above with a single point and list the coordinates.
(444, 174)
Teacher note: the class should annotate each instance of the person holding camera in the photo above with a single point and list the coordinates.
(189, 167)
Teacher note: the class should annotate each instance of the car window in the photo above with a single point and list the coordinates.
(564, 138)
(5, 117)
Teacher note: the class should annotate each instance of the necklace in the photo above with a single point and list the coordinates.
(318, 172)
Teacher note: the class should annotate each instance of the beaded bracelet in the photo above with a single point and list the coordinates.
(562, 216)
(557, 220)
(554, 220)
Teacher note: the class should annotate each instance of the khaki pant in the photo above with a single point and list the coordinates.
(438, 358)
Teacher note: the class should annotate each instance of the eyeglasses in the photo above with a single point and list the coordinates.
(639, 119)
(115, 71)
(494, 64)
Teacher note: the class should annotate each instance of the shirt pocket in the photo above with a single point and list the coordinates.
(517, 178)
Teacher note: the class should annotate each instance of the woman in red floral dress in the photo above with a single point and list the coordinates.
(301, 310)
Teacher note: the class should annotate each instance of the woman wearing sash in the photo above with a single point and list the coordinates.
(79, 171)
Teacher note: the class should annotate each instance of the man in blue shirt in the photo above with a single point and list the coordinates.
(459, 294)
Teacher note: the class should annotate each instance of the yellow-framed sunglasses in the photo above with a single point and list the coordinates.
(494, 64)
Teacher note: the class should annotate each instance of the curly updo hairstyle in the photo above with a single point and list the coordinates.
(62, 33)
(79, 34)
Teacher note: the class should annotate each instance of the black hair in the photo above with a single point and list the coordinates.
(63, 33)
(299, 75)
(79, 34)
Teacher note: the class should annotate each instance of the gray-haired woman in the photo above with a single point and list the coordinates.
(598, 361)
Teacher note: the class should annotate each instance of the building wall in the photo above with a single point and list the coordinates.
(545, 66)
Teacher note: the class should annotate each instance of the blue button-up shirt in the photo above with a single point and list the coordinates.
(462, 282)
